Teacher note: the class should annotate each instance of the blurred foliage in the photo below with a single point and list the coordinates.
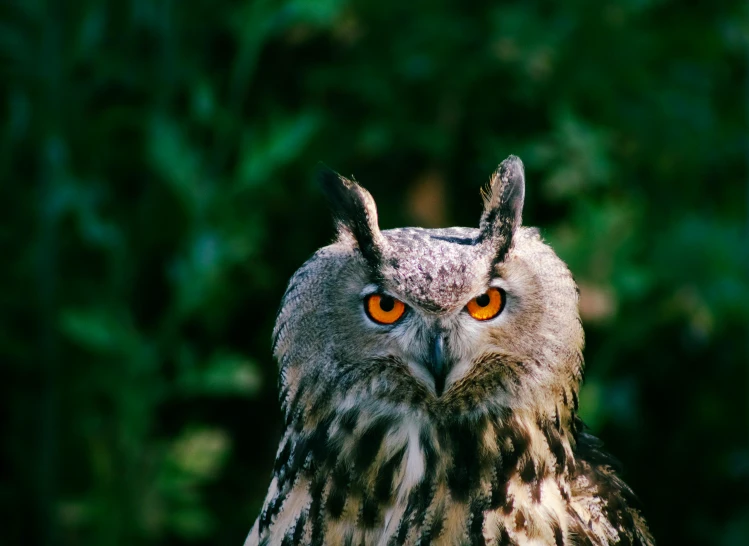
(156, 160)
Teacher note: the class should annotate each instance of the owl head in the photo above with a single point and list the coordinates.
(453, 321)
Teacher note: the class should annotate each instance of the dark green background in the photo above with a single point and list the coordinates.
(157, 159)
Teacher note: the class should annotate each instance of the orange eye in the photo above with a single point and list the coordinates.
(384, 309)
(487, 305)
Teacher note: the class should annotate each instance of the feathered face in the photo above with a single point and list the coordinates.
(429, 383)
(456, 320)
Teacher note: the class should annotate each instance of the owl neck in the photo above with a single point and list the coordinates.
(416, 473)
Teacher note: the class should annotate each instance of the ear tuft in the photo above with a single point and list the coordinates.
(503, 206)
(354, 211)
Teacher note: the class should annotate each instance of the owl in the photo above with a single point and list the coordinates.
(429, 385)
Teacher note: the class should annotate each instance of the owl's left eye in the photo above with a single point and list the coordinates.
(384, 309)
(488, 305)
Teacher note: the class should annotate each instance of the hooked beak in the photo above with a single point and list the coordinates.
(438, 363)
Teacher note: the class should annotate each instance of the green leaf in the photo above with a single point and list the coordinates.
(98, 330)
(225, 374)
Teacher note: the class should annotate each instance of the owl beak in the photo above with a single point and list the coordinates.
(437, 362)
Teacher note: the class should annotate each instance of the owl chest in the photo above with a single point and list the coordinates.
(412, 485)
(427, 513)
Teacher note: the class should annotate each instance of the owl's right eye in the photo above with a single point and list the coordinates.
(487, 305)
(384, 309)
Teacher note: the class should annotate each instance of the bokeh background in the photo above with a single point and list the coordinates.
(157, 162)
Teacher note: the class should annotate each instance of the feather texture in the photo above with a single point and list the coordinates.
(376, 452)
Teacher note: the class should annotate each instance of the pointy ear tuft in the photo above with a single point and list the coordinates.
(503, 207)
(355, 213)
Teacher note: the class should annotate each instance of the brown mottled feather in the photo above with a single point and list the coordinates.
(374, 453)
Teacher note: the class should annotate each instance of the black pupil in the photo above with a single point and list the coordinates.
(387, 303)
(482, 300)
